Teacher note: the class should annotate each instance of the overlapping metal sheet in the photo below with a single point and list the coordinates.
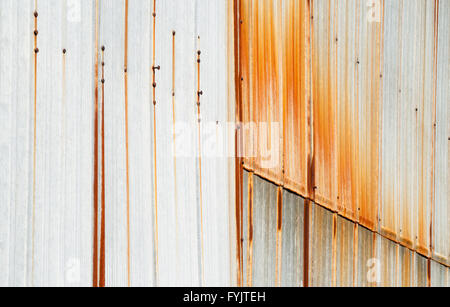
(405, 267)
(438, 276)
(420, 271)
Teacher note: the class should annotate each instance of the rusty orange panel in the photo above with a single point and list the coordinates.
(324, 101)
(261, 100)
(295, 94)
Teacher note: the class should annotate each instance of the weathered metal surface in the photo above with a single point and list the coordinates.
(420, 271)
(441, 209)
(292, 250)
(320, 247)
(386, 261)
(365, 260)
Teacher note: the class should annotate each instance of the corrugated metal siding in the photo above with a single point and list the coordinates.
(47, 232)
(420, 271)
(378, 88)
(405, 267)
(438, 275)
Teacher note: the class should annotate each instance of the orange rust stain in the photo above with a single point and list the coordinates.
(250, 231)
(36, 50)
(279, 236)
(155, 174)
(102, 282)
(126, 142)
(199, 93)
(324, 108)
(95, 187)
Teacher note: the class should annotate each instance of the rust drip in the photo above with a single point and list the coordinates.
(238, 141)
(334, 249)
(250, 231)
(126, 140)
(103, 200)
(155, 170)
(36, 50)
(199, 94)
(428, 272)
(433, 140)
(279, 236)
(174, 146)
(306, 243)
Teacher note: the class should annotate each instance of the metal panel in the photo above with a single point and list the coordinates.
(441, 210)
(386, 255)
(365, 261)
(292, 240)
(265, 233)
(345, 253)
(438, 274)
(405, 267)
(16, 113)
(320, 247)
(420, 271)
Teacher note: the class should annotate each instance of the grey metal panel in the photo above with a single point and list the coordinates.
(365, 259)
(386, 257)
(441, 219)
(320, 247)
(345, 233)
(438, 276)
(16, 71)
(292, 240)
(265, 232)
(420, 271)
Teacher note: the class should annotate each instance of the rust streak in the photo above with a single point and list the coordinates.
(250, 232)
(36, 50)
(126, 141)
(306, 243)
(103, 191)
(279, 236)
(95, 187)
(199, 93)
(155, 175)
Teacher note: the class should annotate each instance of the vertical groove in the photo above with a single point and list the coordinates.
(155, 170)
(103, 217)
(95, 187)
(34, 143)
(334, 252)
(306, 243)
(126, 140)
(199, 93)
(250, 231)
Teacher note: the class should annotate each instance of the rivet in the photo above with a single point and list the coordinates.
(154, 84)
(103, 63)
(103, 48)
(64, 51)
(173, 33)
(199, 93)
(36, 50)
(198, 61)
(154, 14)
(36, 14)
(154, 102)
(125, 69)
(199, 52)
(103, 80)
(36, 32)
(156, 67)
